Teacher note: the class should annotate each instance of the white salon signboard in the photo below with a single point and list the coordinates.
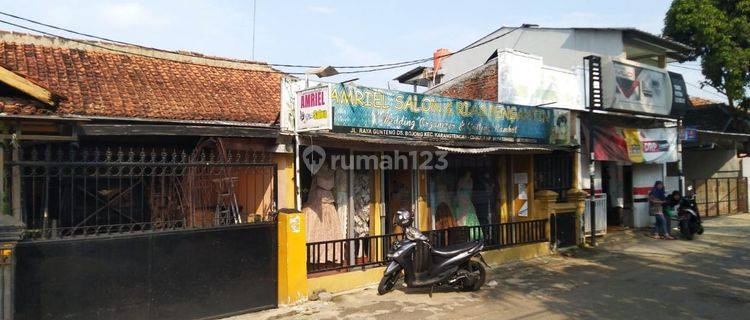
(524, 79)
(313, 110)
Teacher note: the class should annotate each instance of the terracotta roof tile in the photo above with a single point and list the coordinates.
(98, 82)
(699, 102)
(23, 106)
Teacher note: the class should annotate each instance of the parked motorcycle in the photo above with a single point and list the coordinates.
(460, 265)
(690, 220)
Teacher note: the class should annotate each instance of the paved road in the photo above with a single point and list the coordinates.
(630, 276)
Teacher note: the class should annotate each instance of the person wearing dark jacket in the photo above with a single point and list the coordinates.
(656, 199)
(670, 207)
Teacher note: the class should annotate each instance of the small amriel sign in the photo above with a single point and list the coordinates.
(313, 109)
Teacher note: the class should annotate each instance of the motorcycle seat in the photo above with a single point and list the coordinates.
(455, 249)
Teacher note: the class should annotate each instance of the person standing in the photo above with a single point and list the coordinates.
(656, 199)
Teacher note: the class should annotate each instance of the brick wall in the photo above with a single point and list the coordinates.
(479, 84)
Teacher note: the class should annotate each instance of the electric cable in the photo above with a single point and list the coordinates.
(372, 67)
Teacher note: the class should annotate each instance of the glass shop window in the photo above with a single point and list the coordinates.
(466, 193)
(337, 199)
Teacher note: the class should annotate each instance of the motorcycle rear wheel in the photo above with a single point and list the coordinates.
(387, 283)
(476, 268)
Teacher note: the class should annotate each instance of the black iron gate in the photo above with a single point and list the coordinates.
(184, 274)
(143, 233)
(563, 229)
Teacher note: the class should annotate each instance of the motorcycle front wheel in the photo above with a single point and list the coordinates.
(387, 283)
(479, 275)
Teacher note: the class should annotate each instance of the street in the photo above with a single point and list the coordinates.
(628, 276)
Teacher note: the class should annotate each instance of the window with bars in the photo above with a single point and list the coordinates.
(554, 171)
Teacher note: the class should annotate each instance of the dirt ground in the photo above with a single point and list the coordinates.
(629, 276)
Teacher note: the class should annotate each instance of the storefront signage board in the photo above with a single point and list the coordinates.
(657, 145)
(313, 109)
(524, 79)
(363, 110)
(637, 88)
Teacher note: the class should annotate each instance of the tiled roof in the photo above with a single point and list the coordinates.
(23, 106)
(143, 83)
(699, 102)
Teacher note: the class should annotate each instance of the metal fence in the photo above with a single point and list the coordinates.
(600, 203)
(371, 250)
(71, 192)
(720, 196)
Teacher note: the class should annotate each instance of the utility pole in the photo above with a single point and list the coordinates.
(680, 135)
(594, 95)
(255, 6)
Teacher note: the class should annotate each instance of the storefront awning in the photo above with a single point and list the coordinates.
(390, 143)
(628, 120)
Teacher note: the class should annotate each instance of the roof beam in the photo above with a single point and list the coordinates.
(26, 86)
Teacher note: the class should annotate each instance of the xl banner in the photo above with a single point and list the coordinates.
(372, 111)
(658, 145)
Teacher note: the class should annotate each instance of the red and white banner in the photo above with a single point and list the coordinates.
(657, 145)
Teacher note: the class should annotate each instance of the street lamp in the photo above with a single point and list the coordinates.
(323, 71)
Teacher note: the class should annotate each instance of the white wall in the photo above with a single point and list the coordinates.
(644, 176)
(707, 163)
(584, 175)
(616, 194)
(561, 48)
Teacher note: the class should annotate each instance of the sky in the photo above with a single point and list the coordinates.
(328, 32)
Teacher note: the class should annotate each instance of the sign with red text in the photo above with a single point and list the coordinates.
(313, 110)
(656, 145)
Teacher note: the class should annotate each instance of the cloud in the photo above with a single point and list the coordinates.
(320, 9)
(127, 15)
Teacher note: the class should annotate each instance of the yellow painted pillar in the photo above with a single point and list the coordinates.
(579, 197)
(502, 181)
(376, 227)
(292, 258)
(286, 193)
(424, 210)
(376, 206)
(545, 206)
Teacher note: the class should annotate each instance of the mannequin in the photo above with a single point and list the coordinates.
(341, 191)
(362, 198)
(464, 211)
(323, 221)
(443, 216)
(362, 194)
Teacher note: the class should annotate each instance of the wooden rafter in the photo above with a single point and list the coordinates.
(27, 86)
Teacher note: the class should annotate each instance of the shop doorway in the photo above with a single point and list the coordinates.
(399, 192)
(617, 185)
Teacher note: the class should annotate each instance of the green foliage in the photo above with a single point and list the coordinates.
(719, 32)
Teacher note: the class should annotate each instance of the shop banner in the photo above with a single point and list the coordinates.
(524, 79)
(313, 109)
(637, 88)
(372, 111)
(658, 145)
